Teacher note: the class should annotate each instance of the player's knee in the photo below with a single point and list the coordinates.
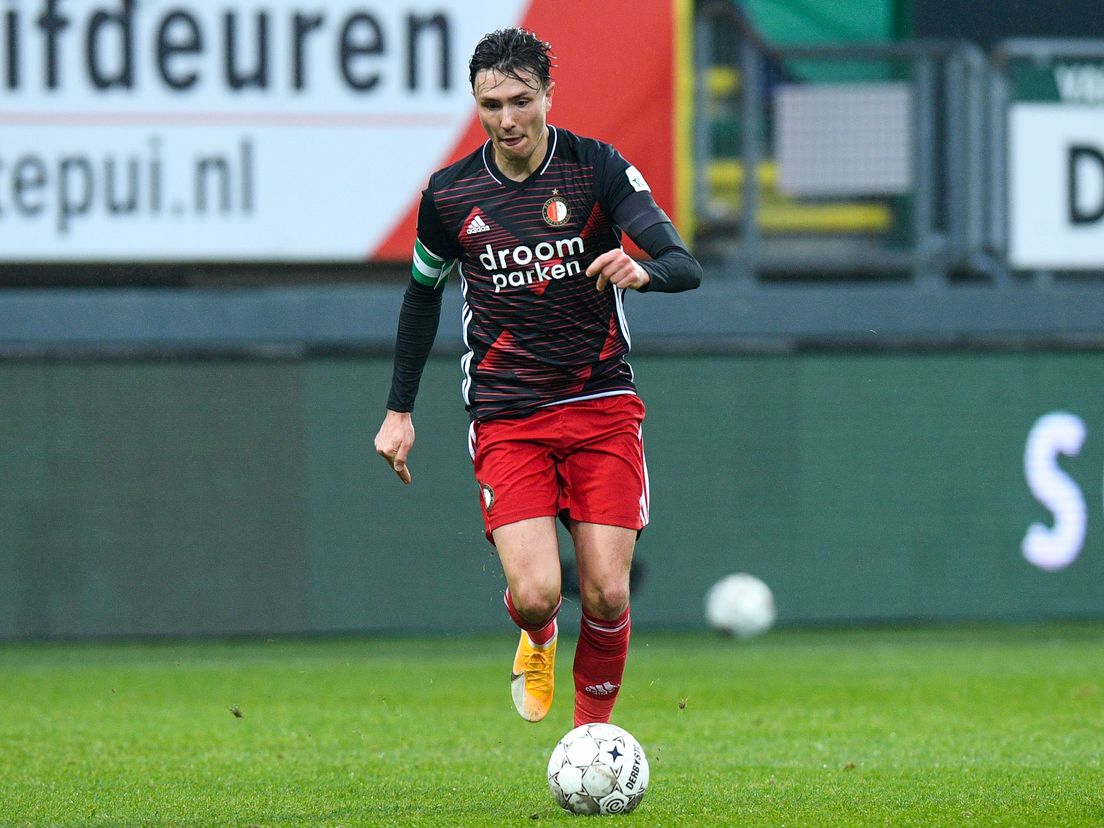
(536, 602)
(606, 600)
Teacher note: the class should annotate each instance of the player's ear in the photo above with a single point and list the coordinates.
(548, 93)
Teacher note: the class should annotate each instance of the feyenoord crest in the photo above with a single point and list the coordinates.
(556, 211)
(488, 495)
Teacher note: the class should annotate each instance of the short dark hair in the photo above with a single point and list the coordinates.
(511, 52)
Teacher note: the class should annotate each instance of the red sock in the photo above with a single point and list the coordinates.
(599, 664)
(540, 633)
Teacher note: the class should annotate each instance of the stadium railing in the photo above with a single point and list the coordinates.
(870, 160)
(885, 162)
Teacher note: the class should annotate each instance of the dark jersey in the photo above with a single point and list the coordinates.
(537, 331)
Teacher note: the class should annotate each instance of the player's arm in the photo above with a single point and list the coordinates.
(672, 267)
(419, 318)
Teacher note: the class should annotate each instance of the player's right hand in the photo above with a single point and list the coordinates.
(616, 267)
(394, 441)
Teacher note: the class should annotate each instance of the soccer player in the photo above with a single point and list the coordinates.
(531, 224)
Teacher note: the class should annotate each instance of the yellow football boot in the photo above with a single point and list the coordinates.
(533, 678)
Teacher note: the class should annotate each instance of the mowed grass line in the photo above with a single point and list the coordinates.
(937, 726)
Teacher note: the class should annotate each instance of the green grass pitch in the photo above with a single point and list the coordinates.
(927, 726)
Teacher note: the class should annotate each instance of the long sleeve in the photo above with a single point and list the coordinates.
(418, 320)
(672, 268)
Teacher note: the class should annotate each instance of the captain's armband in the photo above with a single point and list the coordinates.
(429, 269)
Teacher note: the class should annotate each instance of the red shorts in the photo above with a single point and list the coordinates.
(583, 461)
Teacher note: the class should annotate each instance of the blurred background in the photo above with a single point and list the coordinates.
(886, 400)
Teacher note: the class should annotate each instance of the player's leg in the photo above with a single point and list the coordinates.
(531, 563)
(520, 490)
(604, 556)
(607, 491)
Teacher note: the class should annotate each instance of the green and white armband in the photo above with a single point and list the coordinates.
(429, 269)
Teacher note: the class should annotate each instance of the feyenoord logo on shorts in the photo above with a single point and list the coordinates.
(488, 495)
(556, 211)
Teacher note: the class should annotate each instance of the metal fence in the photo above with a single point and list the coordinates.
(885, 161)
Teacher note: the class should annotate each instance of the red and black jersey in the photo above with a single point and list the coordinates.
(537, 331)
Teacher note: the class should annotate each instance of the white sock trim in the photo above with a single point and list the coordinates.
(603, 628)
(549, 642)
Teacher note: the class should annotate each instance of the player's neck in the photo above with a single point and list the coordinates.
(521, 170)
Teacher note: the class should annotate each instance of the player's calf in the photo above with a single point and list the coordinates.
(600, 659)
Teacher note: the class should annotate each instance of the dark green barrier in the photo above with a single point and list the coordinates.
(244, 497)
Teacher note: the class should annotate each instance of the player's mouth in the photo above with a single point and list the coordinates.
(511, 141)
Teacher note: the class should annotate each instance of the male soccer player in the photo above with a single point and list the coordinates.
(532, 221)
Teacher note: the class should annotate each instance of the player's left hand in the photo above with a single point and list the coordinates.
(617, 268)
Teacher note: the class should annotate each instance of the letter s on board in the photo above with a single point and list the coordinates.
(1056, 547)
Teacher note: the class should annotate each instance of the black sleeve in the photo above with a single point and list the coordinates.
(624, 193)
(418, 321)
(432, 231)
(629, 199)
(672, 268)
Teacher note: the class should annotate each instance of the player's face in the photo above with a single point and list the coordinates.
(514, 114)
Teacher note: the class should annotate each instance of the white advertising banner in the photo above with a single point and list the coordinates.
(1056, 186)
(185, 129)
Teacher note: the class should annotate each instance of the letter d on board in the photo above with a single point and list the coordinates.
(1054, 548)
(1084, 161)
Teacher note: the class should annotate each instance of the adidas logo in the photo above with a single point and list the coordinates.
(478, 226)
(603, 689)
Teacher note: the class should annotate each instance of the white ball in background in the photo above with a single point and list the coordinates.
(740, 605)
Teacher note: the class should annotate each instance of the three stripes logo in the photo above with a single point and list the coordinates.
(477, 225)
(606, 688)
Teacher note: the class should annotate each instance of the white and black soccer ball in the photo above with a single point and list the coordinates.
(740, 605)
(598, 769)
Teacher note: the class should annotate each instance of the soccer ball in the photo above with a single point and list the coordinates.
(740, 605)
(598, 769)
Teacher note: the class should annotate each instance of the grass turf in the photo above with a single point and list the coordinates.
(936, 726)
